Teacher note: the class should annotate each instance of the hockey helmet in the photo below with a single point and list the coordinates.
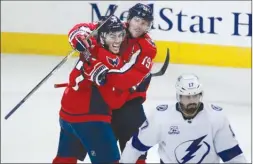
(188, 84)
(113, 24)
(111, 34)
(141, 10)
(189, 94)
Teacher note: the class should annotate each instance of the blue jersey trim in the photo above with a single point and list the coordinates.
(137, 144)
(229, 154)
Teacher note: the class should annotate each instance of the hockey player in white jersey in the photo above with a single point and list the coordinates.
(188, 131)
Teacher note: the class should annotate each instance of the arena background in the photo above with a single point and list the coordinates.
(197, 32)
(211, 39)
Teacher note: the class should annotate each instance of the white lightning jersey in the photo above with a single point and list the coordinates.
(206, 138)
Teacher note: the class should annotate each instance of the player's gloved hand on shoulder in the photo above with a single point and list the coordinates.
(95, 71)
(77, 39)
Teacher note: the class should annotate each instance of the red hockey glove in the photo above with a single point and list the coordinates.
(77, 39)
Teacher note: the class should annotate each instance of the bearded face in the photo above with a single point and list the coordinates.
(189, 104)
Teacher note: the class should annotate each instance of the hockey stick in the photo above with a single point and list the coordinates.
(55, 68)
(159, 73)
(165, 65)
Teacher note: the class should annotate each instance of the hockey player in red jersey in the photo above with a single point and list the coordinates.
(127, 119)
(86, 104)
(138, 50)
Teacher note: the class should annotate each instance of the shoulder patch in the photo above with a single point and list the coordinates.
(162, 107)
(215, 107)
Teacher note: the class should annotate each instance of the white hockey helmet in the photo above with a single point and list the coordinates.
(188, 84)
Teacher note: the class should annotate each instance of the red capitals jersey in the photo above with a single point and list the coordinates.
(138, 55)
(83, 101)
(141, 62)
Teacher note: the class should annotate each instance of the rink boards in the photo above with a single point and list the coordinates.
(197, 32)
(181, 52)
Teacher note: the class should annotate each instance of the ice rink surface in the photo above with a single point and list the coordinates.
(31, 134)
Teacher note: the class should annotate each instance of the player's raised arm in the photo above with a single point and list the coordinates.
(78, 34)
(137, 51)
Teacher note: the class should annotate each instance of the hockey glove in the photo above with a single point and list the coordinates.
(78, 41)
(95, 71)
(86, 56)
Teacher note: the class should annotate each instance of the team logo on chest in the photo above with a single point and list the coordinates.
(113, 61)
(192, 151)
